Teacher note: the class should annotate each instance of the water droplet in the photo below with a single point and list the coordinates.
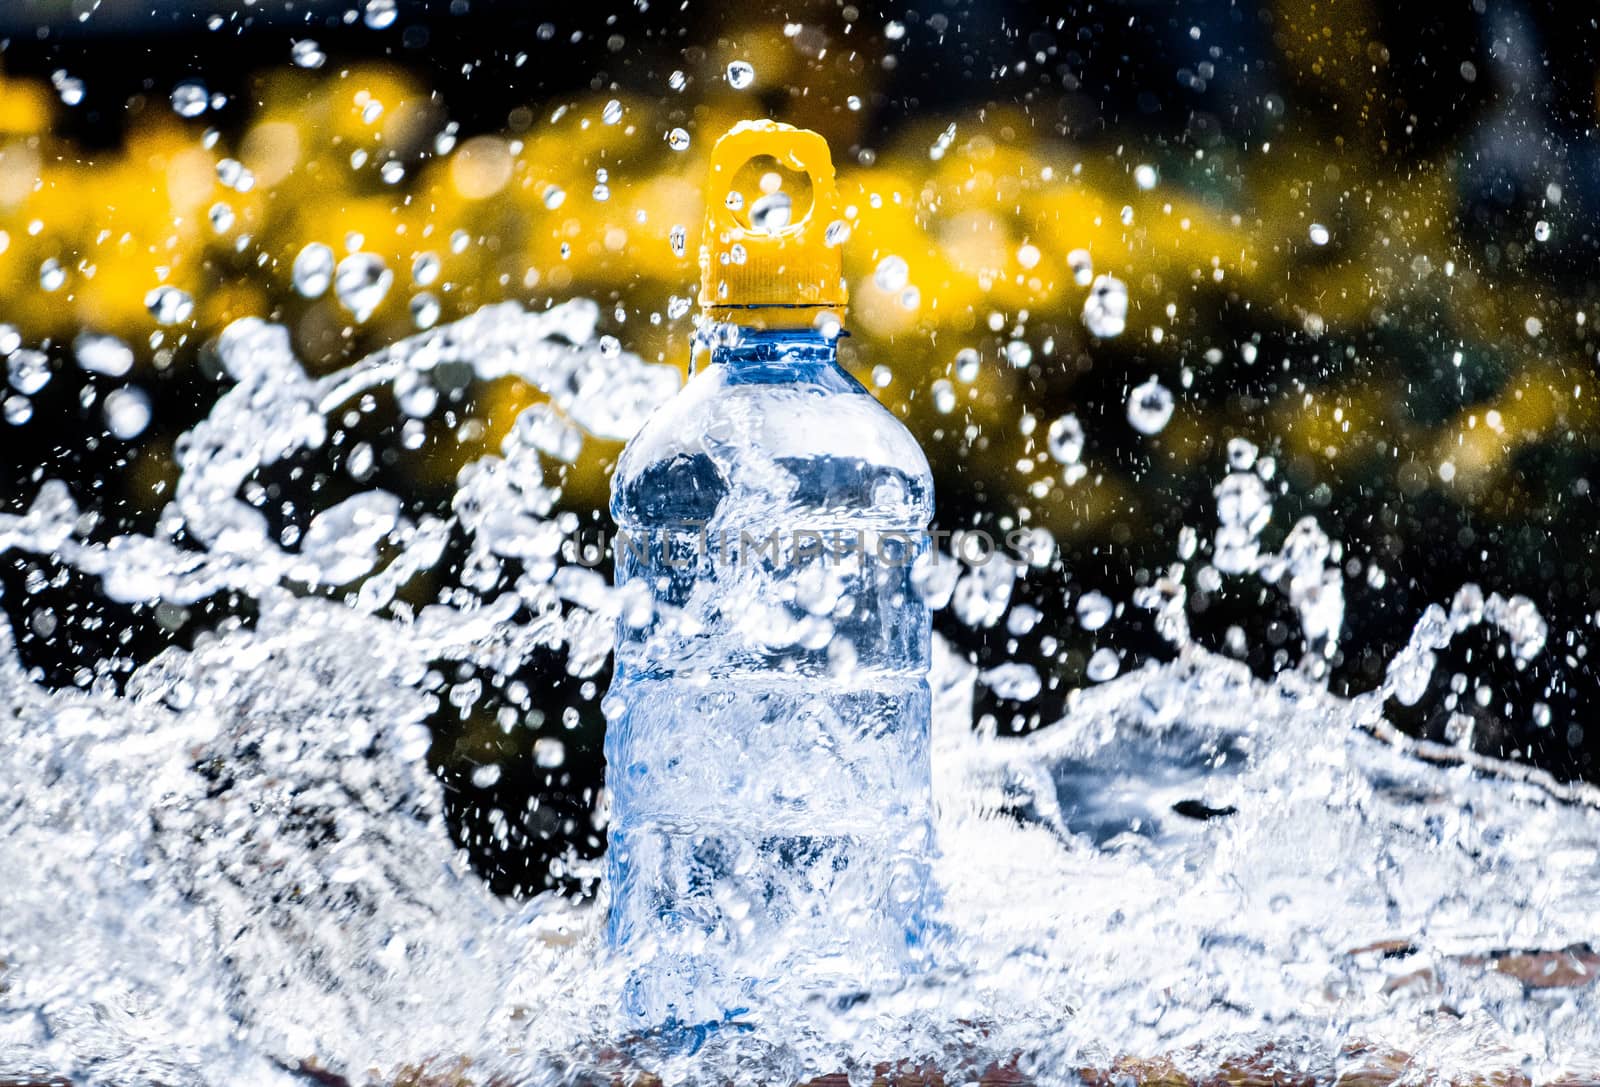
(612, 112)
(892, 274)
(677, 80)
(425, 269)
(740, 75)
(1018, 682)
(1104, 665)
(549, 753)
(1150, 407)
(51, 275)
(102, 355)
(1145, 176)
(770, 213)
(677, 307)
(233, 175)
(602, 192)
(1028, 256)
(1094, 610)
(733, 201)
(127, 412)
(361, 282)
(944, 397)
(392, 172)
(1319, 234)
(28, 371)
(313, 270)
(837, 233)
(307, 54)
(445, 141)
(69, 88)
(1241, 454)
(894, 30)
(18, 410)
(1019, 353)
(424, 310)
(1105, 310)
(554, 197)
(1082, 267)
(678, 238)
(1065, 440)
(967, 364)
(168, 305)
(190, 99)
(678, 139)
(1541, 231)
(221, 216)
(379, 14)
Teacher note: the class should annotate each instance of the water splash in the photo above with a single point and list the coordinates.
(1195, 864)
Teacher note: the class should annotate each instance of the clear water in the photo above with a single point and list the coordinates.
(234, 868)
(767, 742)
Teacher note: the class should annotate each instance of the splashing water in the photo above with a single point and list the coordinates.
(238, 870)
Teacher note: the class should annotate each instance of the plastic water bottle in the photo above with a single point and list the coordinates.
(768, 722)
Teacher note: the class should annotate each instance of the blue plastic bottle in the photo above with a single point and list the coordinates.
(768, 720)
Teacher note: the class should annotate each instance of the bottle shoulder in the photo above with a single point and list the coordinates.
(800, 435)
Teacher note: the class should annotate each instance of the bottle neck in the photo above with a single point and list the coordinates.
(743, 346)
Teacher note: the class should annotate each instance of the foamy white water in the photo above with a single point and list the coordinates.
(239, 868)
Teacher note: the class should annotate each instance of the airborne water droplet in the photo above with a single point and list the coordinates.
(51, 275)
(1150, 407)
(1105, 311)
(678, 139)
(425, 269)
(1318, 234)
(127, 412)
(190, 99)
(892, 274)
(612, 113)
(102, 355)
(168, 305)
(944, 397)
(424, 310)
(678, 238)
(28, 371)
(740, 74)
(361, 282)
(221, 216)
(307, 54)
(967, 364)
(379, 14)
(770, 213)
(1144, 176)
(313, 270)
(1103, 665)
(1065, 440)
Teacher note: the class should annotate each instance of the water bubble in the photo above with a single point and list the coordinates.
(968, 362)
(1105, 311)
(313, 270)
(678, 139)
(1104, 665)
(28, 371)
(425, 269)
(944, 397)
(51, 275)
(190, 99)
(1319, 234)
(678, 239)
(1541, 231)
(379, 14)
(221, 216)
(168, 305)
(361, 282)
(771, 213)
(740, 74)
(612, 112)
(1094, 610)
(127, 412)
(1065, 440)
(1145, 176)
(1150, 407)
(102, 355)
(892, 274)
(424, 310)
(1082, 267)
(307, 54)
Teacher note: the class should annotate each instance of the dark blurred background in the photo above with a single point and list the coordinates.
(1423, 377)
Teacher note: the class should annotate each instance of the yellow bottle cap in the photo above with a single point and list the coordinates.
(769, 241)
